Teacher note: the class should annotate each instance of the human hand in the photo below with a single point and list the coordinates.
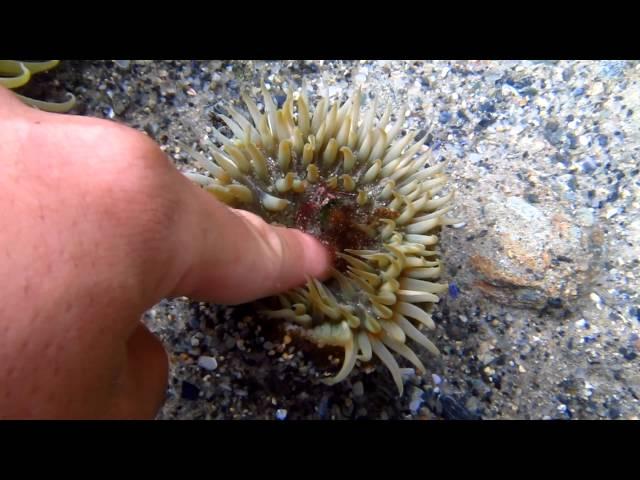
(96, 226)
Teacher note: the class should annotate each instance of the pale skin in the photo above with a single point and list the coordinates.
(97, 226)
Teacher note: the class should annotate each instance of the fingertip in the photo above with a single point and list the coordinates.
(317, 259)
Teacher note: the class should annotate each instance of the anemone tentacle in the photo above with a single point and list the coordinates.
(15, 74)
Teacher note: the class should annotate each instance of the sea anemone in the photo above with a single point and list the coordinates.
(15, 74)
(374, 199)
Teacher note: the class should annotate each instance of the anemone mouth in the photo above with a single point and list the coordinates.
(375, 200)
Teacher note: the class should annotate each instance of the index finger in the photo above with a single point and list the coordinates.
(232, 256)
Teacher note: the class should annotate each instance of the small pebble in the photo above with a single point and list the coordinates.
(415, 405)
(588, 389)
(358, 389)
(588, 166)
(436, 379)
(208, 363)
(281, 414)
(474, 157)
(585, 217)
(554, 302)
(596, 89)
(189, 391)
(323, 407)
(582, 323)
(603, 140)
(407, 372)
(280, 99)
(612, 68)
(444, 117)
(628, 354)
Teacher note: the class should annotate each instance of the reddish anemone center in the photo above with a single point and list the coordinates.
(338, 221)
